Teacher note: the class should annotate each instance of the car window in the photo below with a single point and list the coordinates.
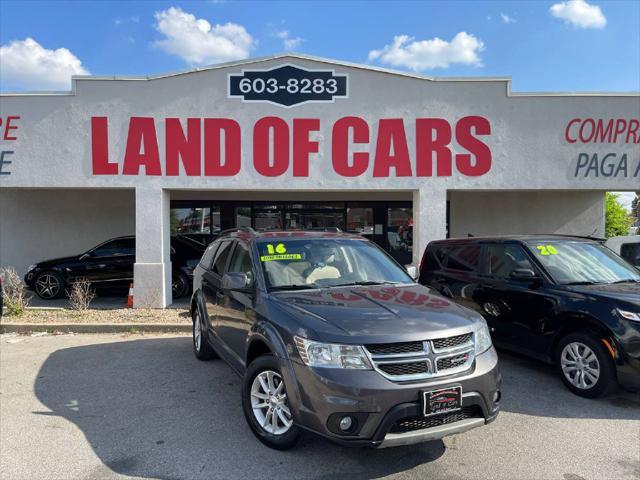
(503, 259)
(578, 262)
(241, 260)
(119, 246)
(221, 257)
(207, 256)
(459, 257)
(631, 253)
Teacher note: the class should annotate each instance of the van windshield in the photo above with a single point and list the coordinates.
(322, 263)
(575, 262)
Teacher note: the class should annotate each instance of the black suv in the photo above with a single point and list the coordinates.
(331, 335)
(565, 300)
(109, 266)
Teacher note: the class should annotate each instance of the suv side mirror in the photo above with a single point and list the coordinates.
(524, 274)
(236, 281)
(413, 272)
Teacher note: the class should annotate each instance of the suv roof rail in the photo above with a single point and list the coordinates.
(233, 230)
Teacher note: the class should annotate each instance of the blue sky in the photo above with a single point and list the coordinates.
(574, 45)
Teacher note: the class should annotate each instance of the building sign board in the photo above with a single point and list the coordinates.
(288, 85)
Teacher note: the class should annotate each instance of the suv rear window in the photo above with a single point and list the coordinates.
(221, 257)
(207, 256)
(465, 258)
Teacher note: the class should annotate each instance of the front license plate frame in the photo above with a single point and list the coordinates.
(442, 400)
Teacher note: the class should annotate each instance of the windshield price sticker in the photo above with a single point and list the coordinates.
(287, 85)
(279, 248)
(547, 250)
(286, 256)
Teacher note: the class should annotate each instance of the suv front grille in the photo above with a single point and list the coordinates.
(451, 362)
(451, 342)
(410, 424)
(412, 368)
(394, 348)
(411, 361)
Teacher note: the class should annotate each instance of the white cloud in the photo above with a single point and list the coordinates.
(579, 13)
(28, 65)
(197, 42)
(625, 198)
(288, 42)
(417, 55)
(506, 18)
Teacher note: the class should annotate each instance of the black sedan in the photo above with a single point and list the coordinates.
(110, 266)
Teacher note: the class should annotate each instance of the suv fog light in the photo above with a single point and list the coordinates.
(496, 396)
(346, 423)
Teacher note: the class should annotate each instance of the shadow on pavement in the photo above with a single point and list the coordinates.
(534, 388)
(148, 408)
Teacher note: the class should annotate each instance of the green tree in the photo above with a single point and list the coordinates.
(617, 219)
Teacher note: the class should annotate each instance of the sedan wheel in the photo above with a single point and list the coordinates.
(48, 286)
(580, 365)
(269, 403)
(179, 286)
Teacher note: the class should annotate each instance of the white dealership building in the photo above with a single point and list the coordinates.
(293, 142)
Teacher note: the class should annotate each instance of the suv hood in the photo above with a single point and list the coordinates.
(626, 292)
(380, 313)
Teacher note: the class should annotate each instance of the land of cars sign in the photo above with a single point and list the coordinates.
(388, 147)
(288, 85)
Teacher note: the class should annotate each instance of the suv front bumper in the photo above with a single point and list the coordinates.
(378, 404)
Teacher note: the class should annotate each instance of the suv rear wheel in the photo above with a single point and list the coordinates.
(201, 347)
(585, 365)
(266, 405)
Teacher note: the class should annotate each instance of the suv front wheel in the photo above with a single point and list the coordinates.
(585, 365)
(266, 405)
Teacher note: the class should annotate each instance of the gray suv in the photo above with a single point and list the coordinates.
(331, 335)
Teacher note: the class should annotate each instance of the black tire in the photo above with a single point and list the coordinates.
(179, 285)
(202, 350)
(284, 441)
(44, 285)
(606, 380)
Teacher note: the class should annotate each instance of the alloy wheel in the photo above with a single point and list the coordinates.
(269, 403)
(47, 286)
(177, 286)
(580, 365)
(197, 331)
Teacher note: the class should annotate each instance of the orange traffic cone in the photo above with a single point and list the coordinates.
(130, 297)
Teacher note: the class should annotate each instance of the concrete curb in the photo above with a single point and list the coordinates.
(25, 328)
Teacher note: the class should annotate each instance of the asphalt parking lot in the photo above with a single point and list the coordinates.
(114, 406)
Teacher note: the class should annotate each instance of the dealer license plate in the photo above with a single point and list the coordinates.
(440, 401)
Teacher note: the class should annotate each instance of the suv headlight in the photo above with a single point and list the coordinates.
(629, 315)
(483, 339)
(31, 267)
(331, 355)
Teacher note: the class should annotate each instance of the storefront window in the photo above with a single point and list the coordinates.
(243, 217)
(193, 220)
(360, 221)
(400, 233)
(319, 220)
(268, 217)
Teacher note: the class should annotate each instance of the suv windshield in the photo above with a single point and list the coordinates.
(313, 263)
(575, 262)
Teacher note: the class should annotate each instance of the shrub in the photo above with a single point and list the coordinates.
(81, 294)
(15, 297)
